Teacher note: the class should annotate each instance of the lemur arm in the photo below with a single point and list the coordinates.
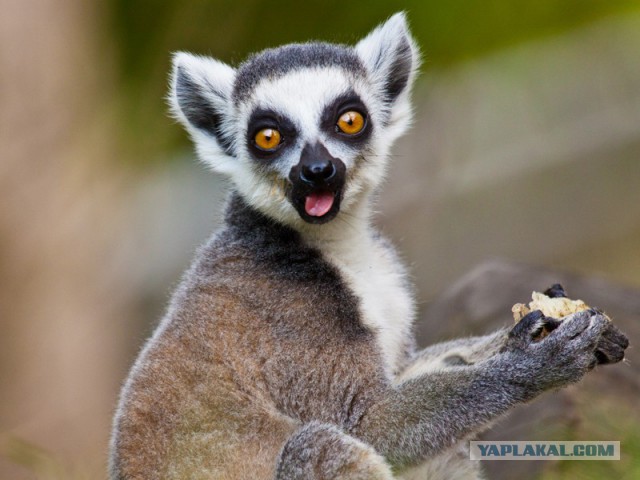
(462, 351)
(471, 350)
(424, 414)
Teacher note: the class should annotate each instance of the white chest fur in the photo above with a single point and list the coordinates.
(372, 271)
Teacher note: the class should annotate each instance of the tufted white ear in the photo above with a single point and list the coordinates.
(200, 98)
(392, 59)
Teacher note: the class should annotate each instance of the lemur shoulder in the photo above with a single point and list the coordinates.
(287, 350)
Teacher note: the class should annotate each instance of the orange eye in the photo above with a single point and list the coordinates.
(351, 122)
(267, 139)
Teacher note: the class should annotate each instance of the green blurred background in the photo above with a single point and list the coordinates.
(144, 32)
(526, 146)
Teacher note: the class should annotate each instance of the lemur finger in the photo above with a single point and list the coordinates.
(572, 326)
(608, 352)
(555, 291)
(614, 335)
(530, 325)
(589, 338)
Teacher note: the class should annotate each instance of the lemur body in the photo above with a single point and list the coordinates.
(287, 350)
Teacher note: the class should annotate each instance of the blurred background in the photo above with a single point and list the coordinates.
(526, 147)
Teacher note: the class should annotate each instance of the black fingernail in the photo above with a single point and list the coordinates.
(555, 291)
(523, 327)
(535, 315)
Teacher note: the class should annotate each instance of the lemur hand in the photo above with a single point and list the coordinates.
(564, 356)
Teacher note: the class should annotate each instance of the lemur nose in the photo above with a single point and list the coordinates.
(317, 171)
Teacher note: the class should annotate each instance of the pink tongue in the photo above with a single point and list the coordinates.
(318, 204)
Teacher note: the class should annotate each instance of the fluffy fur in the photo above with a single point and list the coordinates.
(287, 351)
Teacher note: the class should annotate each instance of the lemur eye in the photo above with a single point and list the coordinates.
(351, 122)
(267, 139)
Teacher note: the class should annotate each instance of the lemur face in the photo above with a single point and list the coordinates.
(308, 131)
(303, 131)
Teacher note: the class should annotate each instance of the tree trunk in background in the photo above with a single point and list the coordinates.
(59, 213)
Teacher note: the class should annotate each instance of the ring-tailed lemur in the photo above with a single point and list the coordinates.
(287, 351)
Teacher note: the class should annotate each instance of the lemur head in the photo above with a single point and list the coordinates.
(303, 131)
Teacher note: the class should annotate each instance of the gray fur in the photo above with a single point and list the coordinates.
(462, 400)
(276, 62)
(321, 452)
(275, 360)
(315, 362)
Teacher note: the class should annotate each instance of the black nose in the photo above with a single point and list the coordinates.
(317, 171)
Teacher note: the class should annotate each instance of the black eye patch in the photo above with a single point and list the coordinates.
(349, 101)
(263, 118)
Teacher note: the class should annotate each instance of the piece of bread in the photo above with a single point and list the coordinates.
(552, 303)
(557, 307)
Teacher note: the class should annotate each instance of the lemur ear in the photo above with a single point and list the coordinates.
(391, 56)
(200, 98)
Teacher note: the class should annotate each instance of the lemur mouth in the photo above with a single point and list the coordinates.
(318, 204)
(317, 201)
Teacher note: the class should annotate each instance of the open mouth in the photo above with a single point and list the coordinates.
(317, 201)
(317, 183)
(318, 204)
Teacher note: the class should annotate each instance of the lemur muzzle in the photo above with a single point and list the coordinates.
(317, 183)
